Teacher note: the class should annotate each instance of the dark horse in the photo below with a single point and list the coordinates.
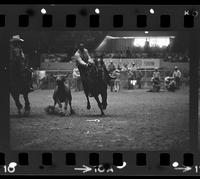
(95, 83)
(19, 85)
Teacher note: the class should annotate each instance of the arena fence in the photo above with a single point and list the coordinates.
(49, 81)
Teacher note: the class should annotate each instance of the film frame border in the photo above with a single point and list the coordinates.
(12, 20)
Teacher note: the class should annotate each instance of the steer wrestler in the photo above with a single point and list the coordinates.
(83, 60)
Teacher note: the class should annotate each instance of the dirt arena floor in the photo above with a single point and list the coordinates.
(134, 120)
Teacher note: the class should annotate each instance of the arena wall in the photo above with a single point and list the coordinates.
(147, 69)
(184, 67)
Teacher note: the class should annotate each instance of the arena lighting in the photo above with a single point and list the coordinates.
(133, 37)
(146, 32)
(110, 37)
(102, 43)
(97, 11)
(139, 42)
(159, 42)
(43, 11)
(153, 41)
(151, 11)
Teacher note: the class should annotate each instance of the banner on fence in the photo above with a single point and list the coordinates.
(148, 63)
(57, 66)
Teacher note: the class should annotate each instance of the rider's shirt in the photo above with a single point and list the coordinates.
(76, 73)
(82, 57)
(176, 74)
(156, 74)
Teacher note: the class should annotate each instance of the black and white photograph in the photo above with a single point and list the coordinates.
(99, 90)
(199, 107)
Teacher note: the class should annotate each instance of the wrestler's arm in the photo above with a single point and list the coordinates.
(79, 59)
(89, 58)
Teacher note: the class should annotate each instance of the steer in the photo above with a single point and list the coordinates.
(62, 94)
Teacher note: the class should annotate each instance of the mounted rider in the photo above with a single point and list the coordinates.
(83, 60)
(18, 62)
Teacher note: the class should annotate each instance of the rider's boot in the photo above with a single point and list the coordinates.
(31, 88)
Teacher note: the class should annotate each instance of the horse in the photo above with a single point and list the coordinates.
(19, 85)
(95, 83)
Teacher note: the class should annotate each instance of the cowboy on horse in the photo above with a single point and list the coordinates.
(18, 63)
(94, 76)
(84, 61)
(20, 75)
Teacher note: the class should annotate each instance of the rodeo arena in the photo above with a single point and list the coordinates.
(99, 90)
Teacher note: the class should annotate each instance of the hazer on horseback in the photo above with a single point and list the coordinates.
(94, 76)
(20, 74)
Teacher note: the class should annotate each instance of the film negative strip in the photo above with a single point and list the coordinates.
(99, 89)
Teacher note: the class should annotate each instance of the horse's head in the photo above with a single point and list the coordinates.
(100, 71)
(99, 62)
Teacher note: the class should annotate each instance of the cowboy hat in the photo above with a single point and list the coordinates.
(16, 38)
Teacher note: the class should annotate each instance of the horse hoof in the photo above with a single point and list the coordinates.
(72, 112)
(102, 114)
(104, 107)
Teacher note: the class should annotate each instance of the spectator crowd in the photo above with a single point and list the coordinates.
(166, 56)
(133, 76)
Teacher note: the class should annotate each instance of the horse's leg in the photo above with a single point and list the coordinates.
(99, 104)
(88, 101)
(27, 104)
(17, 102)
(70, 105)
(60, 105)
(104, 99)
(86, 91)
(66, 104)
